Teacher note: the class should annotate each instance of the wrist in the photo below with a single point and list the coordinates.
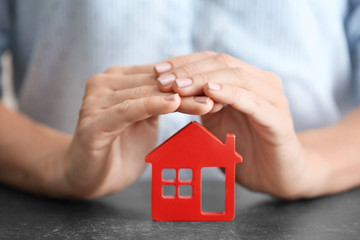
(53, 172)
(313, 180)
(297, 180)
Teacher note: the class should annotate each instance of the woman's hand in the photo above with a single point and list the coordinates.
(249, 102)
(117, 127)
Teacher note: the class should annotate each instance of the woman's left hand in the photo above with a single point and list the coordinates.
(233, 96)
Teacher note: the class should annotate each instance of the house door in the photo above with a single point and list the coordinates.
(213, 194)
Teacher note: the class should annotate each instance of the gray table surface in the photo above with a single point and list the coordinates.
(127, 215)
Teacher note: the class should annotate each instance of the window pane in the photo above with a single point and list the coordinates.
(169, 190)
(169, 174)
(213, 193)
(186, 191)
(186, 174)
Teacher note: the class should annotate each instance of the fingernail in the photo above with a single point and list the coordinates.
(162, 67)
(167, 79)
(201, 99)
(171, 97)
(183, 82)
(214, 86)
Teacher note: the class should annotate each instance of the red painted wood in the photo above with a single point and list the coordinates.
(192, 147)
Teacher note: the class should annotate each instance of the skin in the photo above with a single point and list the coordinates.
(252, 104)
(118, 126)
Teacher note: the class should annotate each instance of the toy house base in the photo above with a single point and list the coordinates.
(193, 147)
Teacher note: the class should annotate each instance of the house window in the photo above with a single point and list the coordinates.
(169, 191)
(185, 191)
(177, 183)
(185, 174)
(169, 174)
(213, 195)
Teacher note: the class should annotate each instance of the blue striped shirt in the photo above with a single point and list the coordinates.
(314, 46)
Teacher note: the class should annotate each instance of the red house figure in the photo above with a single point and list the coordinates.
(193, 147)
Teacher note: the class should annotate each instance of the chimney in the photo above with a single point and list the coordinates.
(230, 141)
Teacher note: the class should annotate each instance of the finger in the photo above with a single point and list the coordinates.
(232, 76)
(173, 63)
(167, 78)
(256, 107)
(130, 111)
(193, 85)
(129, 93)
(189, 65)
(102, 84)
(210, 64)
(217, 107)
(129, 70)
(131, 81)
(198, 105)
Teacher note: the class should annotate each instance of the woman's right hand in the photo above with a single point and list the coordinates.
(117, 127)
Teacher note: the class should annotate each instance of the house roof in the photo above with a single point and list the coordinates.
(195, 143)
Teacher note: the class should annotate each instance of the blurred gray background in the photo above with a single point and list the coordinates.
(8, 94)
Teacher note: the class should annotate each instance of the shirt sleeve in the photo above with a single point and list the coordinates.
(5, 28)
(353, 33)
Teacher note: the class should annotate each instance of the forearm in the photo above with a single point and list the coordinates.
(333, 157)
(31, 154)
